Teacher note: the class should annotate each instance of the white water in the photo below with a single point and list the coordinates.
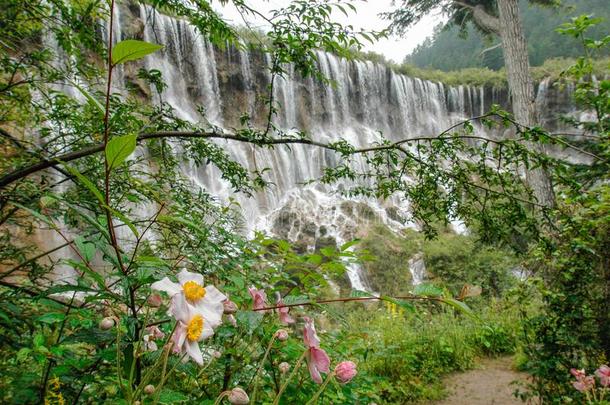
(366, 99)
(417, 268)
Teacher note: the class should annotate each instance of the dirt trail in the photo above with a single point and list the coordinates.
(489, 383)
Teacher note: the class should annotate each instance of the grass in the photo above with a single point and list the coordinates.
(407, 355)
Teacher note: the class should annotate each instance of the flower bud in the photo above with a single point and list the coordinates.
(149, 389)
(281, 335)
(345, 371)
(107, 323)
(229, 307)
(237, 396)
(216, 354)
(154, 300)
(284, 367)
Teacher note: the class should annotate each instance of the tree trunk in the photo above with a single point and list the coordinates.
(521, 88)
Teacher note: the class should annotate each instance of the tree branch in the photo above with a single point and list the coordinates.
(483, 19)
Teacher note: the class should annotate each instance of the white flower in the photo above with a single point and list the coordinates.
(206, 300)
(191, 329)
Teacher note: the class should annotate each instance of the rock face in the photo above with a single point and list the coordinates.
(220, 85)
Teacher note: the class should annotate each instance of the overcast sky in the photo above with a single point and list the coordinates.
(367, 17)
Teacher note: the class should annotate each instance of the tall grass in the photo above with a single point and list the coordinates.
(407, 355)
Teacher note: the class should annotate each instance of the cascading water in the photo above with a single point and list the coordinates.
(417, 268)
(366, 99)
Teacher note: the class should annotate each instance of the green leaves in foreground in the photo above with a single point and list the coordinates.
(132, 49)
(118, 149)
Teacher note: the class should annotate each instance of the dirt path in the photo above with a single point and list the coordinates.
(489, 383)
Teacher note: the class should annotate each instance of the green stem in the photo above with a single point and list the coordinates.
(221, 396)
(165, 376)
(260, 367)
(314, 399)
(276, 401)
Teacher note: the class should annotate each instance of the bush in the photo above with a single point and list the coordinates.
(409, 354)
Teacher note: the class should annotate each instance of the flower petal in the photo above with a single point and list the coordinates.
(211, 312)
(285, 318)
(321, 359)
(167, 285)
(179, 337)
(186, 275)
(212, 294)
(310, 337)
(180, 309)
(313, 370)
(206, 332)
(194, 352)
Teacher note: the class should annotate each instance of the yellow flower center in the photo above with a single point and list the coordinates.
(193, 291)
(194, 328)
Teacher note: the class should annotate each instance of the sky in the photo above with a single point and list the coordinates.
(366, 17)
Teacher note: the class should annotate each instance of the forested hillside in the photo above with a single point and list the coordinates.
(456, 47)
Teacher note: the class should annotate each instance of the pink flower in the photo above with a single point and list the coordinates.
(345, 371)
(152, 333)
(579, 374)
(238, 396)
(603, 373)
(229, 307)
(317, 359)
(281, 335)
(310, 337)
(285, 318)
(154, 300)
(259, 298)
(583, 382)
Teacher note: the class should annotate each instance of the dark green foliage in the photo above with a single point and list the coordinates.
(456, 260)
(573, 264)
(573, 330)
(451, 260)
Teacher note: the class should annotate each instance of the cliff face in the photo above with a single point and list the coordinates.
(363, 101)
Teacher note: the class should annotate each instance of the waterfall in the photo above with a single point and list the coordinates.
(363, 100)
(417, 268)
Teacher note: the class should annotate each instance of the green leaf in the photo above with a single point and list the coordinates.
(168, 396)
(360, 293)
(36, 214)
(251, 319)
(460, 306)
(51, 318)
(349, 244)
(427, 290)
(126, 221)
(91, 220)
(87, 183)
(99, 279)
(38, 340)
(132, 49)
(406, 305)
(87, 249)
(89, 97)
(118, 149)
